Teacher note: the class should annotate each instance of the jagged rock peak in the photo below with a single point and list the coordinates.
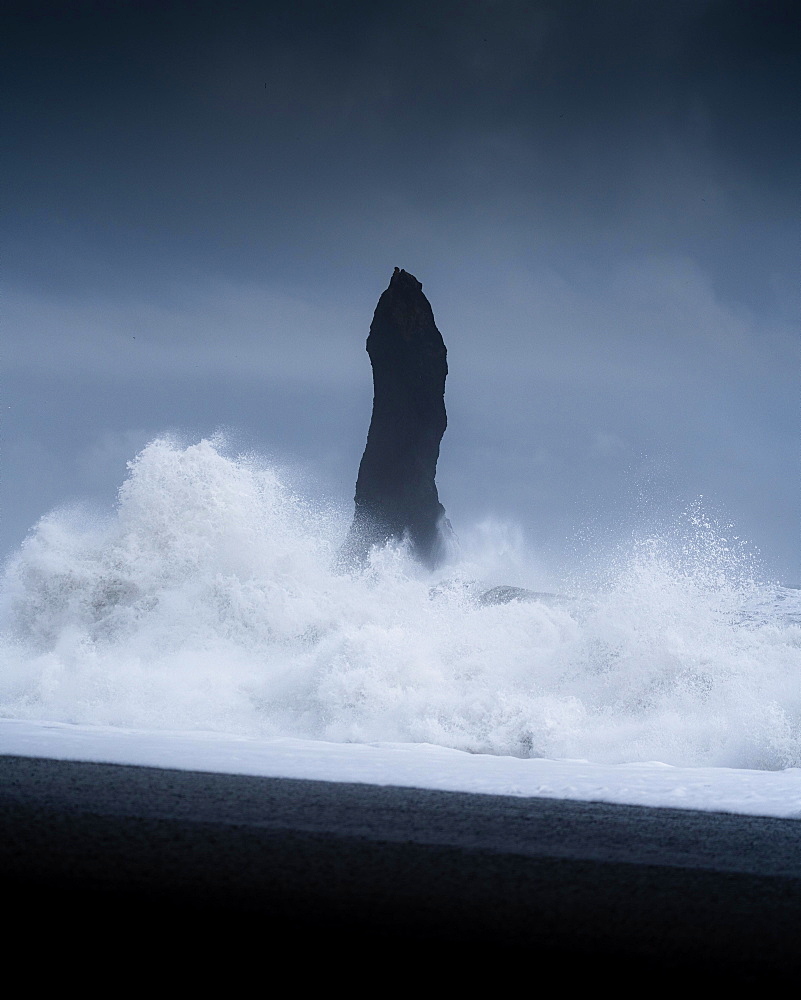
(396, 495)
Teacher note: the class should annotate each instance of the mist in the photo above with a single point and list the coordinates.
(204, 208)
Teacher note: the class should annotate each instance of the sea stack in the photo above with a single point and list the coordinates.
(396, 496)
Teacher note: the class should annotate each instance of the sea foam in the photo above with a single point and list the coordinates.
(210, 600)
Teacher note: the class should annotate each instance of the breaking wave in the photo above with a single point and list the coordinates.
(208, 600)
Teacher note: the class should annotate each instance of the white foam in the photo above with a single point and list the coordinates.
(416, 765)
(207, 602)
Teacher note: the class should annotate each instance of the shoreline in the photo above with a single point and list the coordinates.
(661, 891)
(414, 765)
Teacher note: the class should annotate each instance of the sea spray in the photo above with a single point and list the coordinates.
(209, 600)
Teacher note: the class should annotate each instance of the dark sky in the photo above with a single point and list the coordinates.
(203, 202)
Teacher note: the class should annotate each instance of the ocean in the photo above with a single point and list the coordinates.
(205, 614)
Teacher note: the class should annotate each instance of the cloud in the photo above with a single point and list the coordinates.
(251, 332)
(598, 198)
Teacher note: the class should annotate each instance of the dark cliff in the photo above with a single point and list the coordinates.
(396, 495)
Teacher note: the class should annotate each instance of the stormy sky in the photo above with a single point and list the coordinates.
(203, 202)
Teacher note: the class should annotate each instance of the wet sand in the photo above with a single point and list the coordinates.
(143, 862)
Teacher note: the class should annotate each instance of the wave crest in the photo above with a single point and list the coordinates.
(208, 600)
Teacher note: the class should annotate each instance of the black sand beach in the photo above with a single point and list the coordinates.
(134, 860)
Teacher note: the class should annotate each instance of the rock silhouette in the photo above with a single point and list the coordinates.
(396, 496)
